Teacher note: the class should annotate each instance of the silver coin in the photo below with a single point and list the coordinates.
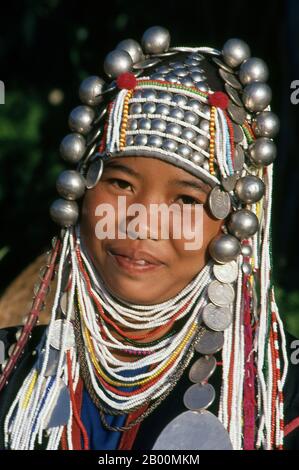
(63, 305)
(194, 431)
(231, 79)
(226, 273)
(94, 173)
(210, 342)
(93, 136)
(239, 158)
(144, 64)
(202, 369)
(108, 88)
(165, 54)
(217, 318)
(237, 113)
(238, 133)
(199, 396)
(233, 94)
(229, 182)
(57, 334)
(219, 203)
(221, 294)
(97, 120)
(222, 65)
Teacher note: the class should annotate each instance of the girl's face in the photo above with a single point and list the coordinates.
(147, 181)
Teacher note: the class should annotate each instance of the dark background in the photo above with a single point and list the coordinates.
(48, 47)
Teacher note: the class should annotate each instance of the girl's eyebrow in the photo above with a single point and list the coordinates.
(126, 169)
(192, 184)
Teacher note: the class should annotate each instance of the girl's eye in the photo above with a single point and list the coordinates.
(189, 200)
(122, 184)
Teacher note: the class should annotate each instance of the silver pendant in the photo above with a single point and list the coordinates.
(60, 414)
(231, 79)
(210, 343)
(237, 113)
(219, 203)
(233, 94)
(58, 332)
(94, 173)
(226, 273)
(229, 182)
(199, 396)
(217, 318)
(222, 65)
(239, 159)
(238, 133)
(194, 431)
(221, 294)
(202, 369)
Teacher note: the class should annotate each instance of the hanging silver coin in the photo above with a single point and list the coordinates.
(231, 79)
(94, 173)
(238, 133)
(217, 318)
(233, 94)
(221, 294)
(202, 369)
(229, 182)
(237, 113)
(239, 158)
(226, 273)
(219, 203)
(199, 396)
(210, 343)
(144, 64)
(165, 54)
(222, 65)
(192, 430)
(60, 327)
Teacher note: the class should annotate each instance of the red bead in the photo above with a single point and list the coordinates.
(126, 81)
(219, 100)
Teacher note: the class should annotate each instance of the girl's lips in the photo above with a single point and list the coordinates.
(132, 266)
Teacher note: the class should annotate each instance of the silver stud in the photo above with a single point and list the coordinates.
(133, 48)
(169, 144)
(187, 81)
(129, 140)
(197, 158)
(177, 113)
(262, 151)
(65, 213)
(224, 248)
(243, 224)
(140, 139)
(184, 151)
(155, 141)
(235, 51)
(163, 95)
(181, 72)
(253, 70)
(149, 94)
(174, 129)
(246, 250)
(246, 268)
(257, 96)
(250, 189)
(191, 118)
(117, 62)
(180, 100)
(144, 124)
(149, 108)
(158, 125)
(90, 90)
(204, 125)
(266, 124)
(202, 142)
(197, 77)
(163, 109)
(155, 40)
(202, 86)
(72, 147)
(136, 108)
(133, 124)
(189, 134)
(81, 118)
(70, 184)
(195, 105)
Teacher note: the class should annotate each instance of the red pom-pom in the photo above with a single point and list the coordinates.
(219, 99)
(126, 81)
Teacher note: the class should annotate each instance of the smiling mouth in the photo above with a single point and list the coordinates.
(133, 265)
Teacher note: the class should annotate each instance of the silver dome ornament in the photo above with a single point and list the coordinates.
(155, 40)
(224, 248)
(189, 134)
(170, 145)
(253, 70)
(191, 118)
(144, 124)
(180, 100)
(262, 151)
(70, 185)
(81, 119)
(243, 224)
(158, 125)
(195, 105)
(266, 124)
(117, 62)
(204, 125)
(140, 139)
(149, 108)
(90, 91)
(163, 109)
(184, 151)
(202, 86)
(246, 250)
(177, 113)
(94, 173)
(133, 48)
(174, 129)
(250, 189)
(149, 94)
(235, 51)
(257, 96)
(202, 142)
(72, 147)
(155, 141)
(197, 158)
(64, 213)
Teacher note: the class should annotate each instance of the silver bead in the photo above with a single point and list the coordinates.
(117, 62)
(204, 125)
(157, 76)
(169, 144)
(189, 134)
(191, 118)
(149, 108)
(187, 81)
(246, 250)
(163, 69)
(196, 69)
(129, 140)
(197, 77)
(81, 118)
(177, 113)
(224, 248)
(158, 125)
(64, 213)
(253, 70)
(140, 139)
(133, 124)
(249, 189)
(181, 72)
(138, 94)
(262, 151)
(235, 51)
(133, 48)
(246, 268)
(136, 108)
(155, 40)
(174, 129)
(243, 224)
(149, 94)
(180, 100)
(155, 141)
(195, 105)
(256, 96)
(144, 124)
(266, 124)
(163, 109)
(184, 151)
(90, 90)
(165, 96)
(197, 158)
(202, 86)
(206, 165)
(202, 142)
(70, 184)
(72, 147)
